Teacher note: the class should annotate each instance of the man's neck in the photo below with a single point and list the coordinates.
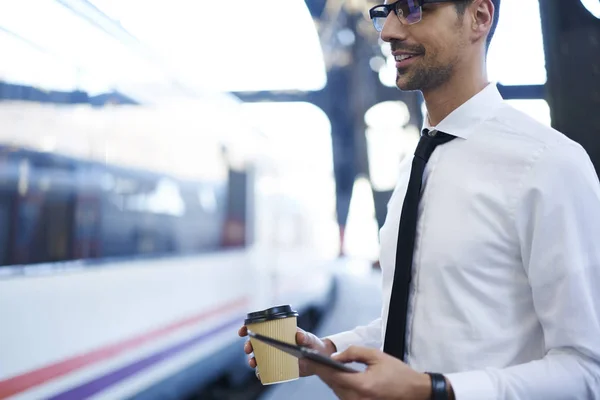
(442, 100)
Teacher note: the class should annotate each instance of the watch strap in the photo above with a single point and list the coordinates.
(439, 388)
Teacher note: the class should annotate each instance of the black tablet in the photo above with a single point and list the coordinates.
(302, 352)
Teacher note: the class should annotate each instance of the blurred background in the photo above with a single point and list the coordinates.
(168, 167)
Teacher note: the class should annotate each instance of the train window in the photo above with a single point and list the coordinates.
(207, 199)
(59, 209)
(190, 199)
(132, 222)
(41, 201)
(165, 199)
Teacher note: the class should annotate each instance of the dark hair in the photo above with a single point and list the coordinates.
(461, 7)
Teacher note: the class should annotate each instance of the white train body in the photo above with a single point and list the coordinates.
(130, 254)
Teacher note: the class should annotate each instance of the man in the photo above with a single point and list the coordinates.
(504, 268)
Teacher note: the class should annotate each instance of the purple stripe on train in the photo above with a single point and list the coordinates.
(103, 382)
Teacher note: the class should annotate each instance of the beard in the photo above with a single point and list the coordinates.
(424, 77)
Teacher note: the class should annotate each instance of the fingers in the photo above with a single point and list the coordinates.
(304, 338)
(243, 331)
(325, 373)
(248, 347)
(248, 350)
(252, 362)
(358, 354)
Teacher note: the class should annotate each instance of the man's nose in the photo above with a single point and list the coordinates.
(393, 29)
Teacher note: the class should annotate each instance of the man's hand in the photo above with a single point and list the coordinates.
(386, 378)
(303, 338)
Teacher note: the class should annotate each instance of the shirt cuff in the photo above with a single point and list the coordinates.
(344, 340)
(476, 385)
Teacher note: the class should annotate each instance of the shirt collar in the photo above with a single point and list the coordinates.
(463, 121)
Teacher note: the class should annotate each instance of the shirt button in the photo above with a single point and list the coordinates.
(432, 133)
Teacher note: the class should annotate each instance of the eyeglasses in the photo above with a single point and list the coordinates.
(408, 11)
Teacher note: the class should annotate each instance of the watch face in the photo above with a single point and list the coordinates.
(593, 6)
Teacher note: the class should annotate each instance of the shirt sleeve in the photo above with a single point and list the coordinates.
(367, 335)
(557, 216)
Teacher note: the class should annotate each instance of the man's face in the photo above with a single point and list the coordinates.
(435, 46)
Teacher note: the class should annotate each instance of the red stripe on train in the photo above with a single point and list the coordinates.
(21, 383)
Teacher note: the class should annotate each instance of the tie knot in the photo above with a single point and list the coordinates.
(434, 133)
(430, 139)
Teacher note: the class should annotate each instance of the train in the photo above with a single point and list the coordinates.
(135, 239)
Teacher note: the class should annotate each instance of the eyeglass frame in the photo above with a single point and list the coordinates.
(392, 7)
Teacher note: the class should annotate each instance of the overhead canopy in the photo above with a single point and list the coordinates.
(161, 48)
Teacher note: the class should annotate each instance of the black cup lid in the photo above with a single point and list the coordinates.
(270, 314)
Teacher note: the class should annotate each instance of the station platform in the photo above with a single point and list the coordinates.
(358, 302)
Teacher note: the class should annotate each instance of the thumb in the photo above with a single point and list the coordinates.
(304, 338)
(358, 354)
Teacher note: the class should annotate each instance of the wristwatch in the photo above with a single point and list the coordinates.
(439, 389)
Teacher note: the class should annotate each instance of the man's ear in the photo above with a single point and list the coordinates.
(482, 18)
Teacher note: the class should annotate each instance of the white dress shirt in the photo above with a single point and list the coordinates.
(505, 295)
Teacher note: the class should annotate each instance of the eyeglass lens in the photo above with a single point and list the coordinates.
(408, 12)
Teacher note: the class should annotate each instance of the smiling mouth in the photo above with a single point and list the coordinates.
(403, 57)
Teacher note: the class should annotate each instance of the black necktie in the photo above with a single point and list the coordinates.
(395, 335)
